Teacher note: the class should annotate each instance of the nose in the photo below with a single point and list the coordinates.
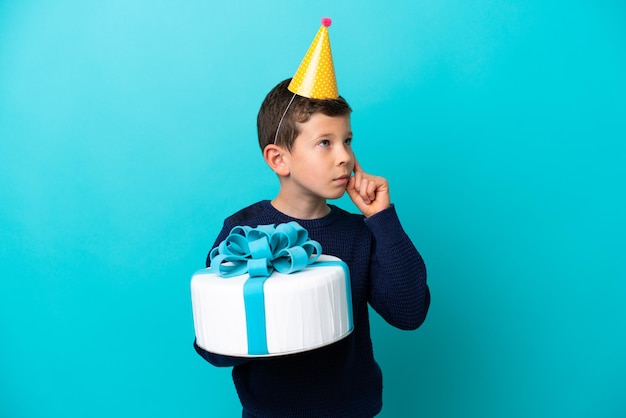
(345, 155)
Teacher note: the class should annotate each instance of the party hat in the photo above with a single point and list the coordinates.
(315, 77)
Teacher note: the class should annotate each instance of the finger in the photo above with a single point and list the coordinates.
(351, 186)
(357, 167)
(363, 191)
(371, 190)
(358, 178)
(353, 192)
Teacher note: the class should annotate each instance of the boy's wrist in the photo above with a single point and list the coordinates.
(385, 223)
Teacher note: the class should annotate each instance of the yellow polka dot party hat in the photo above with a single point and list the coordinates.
(315, 77)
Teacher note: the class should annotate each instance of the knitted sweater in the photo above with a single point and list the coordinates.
(342, 379)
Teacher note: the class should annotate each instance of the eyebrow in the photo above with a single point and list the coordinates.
(328, 134)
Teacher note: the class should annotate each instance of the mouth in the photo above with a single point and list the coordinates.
(343, 179)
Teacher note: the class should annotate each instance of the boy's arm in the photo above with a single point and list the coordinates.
(398, 288)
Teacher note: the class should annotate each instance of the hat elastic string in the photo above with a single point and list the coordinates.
(283, 117)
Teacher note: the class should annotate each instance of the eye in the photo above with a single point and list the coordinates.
(347, 141)
(324, 143)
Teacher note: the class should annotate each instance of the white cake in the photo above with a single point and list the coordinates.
(302, 311)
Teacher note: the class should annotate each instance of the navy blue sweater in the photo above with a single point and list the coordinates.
(342, 379)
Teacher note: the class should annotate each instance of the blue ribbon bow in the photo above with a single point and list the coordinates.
(259, 251)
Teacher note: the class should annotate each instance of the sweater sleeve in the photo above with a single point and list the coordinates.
(398, 288)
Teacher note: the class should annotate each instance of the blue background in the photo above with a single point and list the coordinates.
(127, 134)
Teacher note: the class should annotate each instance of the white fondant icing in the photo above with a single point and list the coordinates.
(303, 311)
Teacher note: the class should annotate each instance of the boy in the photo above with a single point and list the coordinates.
(307, 143)
(314, 160)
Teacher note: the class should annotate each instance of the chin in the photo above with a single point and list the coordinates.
(336, 195)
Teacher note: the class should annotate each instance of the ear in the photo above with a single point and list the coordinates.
(277, 158)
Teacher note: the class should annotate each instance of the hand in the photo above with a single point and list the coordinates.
(369, 193)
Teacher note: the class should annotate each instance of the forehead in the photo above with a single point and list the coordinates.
(321, 124)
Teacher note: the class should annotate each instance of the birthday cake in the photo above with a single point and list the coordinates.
(270, 291)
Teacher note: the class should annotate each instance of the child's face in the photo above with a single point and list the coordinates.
(321, 159)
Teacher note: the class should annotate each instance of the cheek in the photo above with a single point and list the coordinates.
(351, 164)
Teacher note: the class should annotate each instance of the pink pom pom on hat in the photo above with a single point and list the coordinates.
(315, 77)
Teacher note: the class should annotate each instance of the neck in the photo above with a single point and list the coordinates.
(301, 208)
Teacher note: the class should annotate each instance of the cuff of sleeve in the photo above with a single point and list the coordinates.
(385, 223)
